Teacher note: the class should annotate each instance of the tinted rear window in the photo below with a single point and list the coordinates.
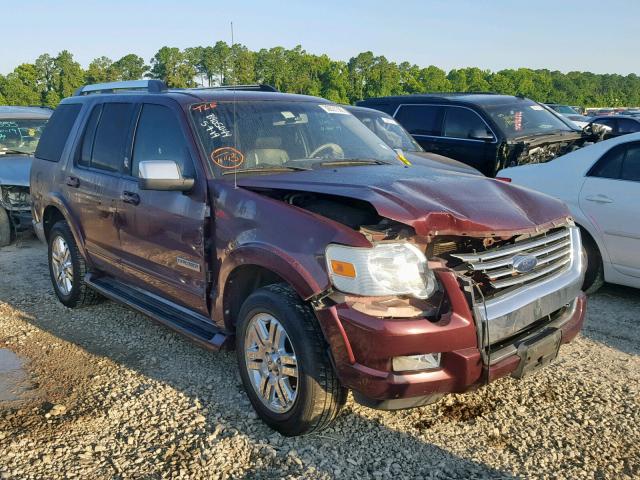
(56, 132)
(631, 166)
(110, 144)
(420, 119)
(610, 164)
(462, 123)
(626, 125)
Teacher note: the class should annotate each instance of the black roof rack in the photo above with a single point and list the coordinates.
(151, 86)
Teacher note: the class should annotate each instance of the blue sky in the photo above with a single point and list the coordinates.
(496, 34)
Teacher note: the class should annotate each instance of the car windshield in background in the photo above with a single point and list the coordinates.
(564, 109)
(389, 130)
(271, 135)
(525, 118)
(20, 135)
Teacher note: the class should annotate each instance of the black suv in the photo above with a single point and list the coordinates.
(486, 131)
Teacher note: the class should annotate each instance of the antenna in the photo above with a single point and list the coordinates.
(235, 127)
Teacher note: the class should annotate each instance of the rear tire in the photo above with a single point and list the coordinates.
(594, 274)
(318, 395)
(5, 228)
(68, 268)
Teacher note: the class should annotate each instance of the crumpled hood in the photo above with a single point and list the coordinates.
(433, 160)
(433, 201)
(14, 170)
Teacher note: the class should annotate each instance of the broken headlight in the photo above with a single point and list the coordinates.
(386, 269)
(15, 198)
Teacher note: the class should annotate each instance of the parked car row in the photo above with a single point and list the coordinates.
(20, 130)
(284, 226)
(486, 131)
(334, 247)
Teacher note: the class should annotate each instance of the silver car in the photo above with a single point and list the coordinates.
(20, 130)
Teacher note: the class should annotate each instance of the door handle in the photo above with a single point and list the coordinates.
(599, 198)
(130, 197)
(73, 181)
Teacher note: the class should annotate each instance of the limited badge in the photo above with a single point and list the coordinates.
(183, 262)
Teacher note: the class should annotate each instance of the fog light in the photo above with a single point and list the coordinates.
(427, 361)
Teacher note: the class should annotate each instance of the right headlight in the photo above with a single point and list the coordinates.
(386, 269)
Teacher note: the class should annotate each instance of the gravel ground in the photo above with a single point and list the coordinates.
(113, 395)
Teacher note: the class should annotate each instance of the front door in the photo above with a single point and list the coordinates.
(93, 181)
(162, 233)
(610, 196)
(460, 127)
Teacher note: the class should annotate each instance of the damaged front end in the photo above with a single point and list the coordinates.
(544, 148)
(15, 199)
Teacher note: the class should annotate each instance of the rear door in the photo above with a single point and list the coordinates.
(93, 182)
(424, 123)
(627, 125)
(610, 196)
(459, 125)
(162, 232)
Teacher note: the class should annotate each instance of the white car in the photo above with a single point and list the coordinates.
(601, 185)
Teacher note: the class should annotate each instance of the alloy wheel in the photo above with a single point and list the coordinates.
(62, 265)
(271, 362)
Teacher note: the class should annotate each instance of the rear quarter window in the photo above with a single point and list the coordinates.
(57, 131)
(420, 119)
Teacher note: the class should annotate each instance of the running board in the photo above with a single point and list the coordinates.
(197, 327)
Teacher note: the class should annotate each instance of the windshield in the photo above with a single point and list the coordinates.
(20, 135)
(283, 135)
(564, 109)
(524, 118)
(390, 131)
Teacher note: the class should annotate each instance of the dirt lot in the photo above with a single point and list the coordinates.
(113, 395)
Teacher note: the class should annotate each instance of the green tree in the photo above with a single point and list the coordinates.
(172, 66)
(18, 87)
(68, 74)
(241, 66)
(130, 67)
(433, 79)
(101, 70)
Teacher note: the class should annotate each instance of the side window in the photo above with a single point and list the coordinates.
(110, 144)
(159, 137)
(626, 125)
(609, 165)
(420, 119)
(631, 165)
(460, 122)
(608, 122)
(56, 132)
(89, 135)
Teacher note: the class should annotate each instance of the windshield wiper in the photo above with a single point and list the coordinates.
(356, 161)
(270, 168)
(14, 151)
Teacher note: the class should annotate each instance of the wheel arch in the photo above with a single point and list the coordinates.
(55, 211)
(251, 267)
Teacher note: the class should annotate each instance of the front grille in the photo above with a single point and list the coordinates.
(495, 266)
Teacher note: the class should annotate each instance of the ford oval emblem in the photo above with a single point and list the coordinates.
(524, 263)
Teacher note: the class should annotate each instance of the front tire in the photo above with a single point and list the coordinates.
(67, 269)
(5, 228)
(284, 363)
(594, 274)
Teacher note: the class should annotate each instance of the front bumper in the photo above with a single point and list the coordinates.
(20, 219)
(362, 345)
(38, 227)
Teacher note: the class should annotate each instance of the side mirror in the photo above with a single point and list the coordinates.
(162, 175)
(481, 134)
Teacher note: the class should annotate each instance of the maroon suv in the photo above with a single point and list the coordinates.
(281, 225)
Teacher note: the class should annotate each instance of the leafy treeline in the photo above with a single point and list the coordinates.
(49, 78)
